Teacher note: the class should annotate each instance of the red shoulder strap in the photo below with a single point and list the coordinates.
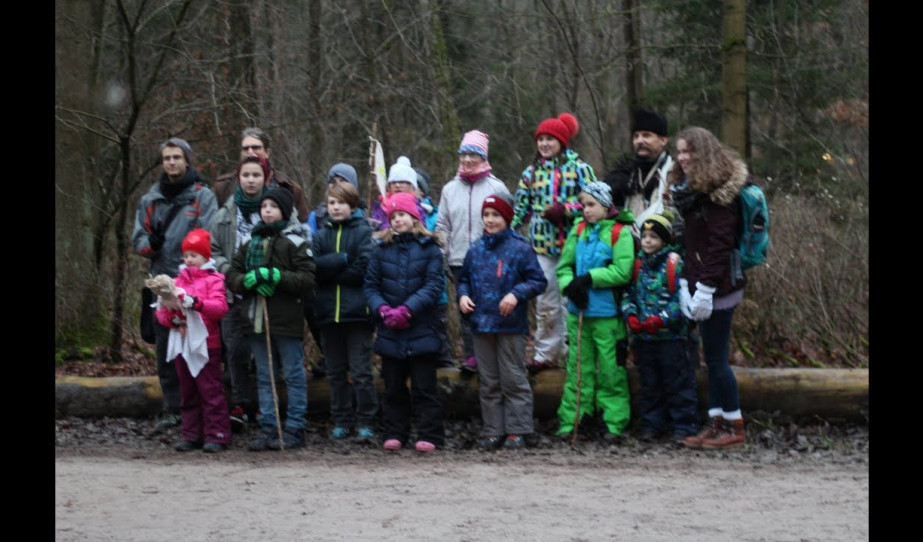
(672, 258)
(616, 230)
(637, 271)
(580, 226)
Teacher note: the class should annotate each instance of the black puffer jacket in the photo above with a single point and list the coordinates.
(341, 253)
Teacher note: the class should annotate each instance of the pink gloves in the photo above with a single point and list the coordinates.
(398, 318)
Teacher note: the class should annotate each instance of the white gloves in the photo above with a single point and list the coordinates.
(685, 300)
(701, 303)
(188, 301)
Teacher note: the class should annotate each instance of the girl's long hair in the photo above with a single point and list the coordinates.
(387, 236)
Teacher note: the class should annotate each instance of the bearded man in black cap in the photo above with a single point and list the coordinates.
(639, 183)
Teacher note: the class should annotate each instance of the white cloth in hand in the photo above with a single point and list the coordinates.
(701, 304)
(193, 344)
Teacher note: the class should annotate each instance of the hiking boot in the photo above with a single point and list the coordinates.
(319, 369)
(239, 418)
(339, 433)
(489, 442)
(730, 435)
(470, 365)
(187, 445)
(424, 447)
(709, 431)
(166, 421)
(649, 435)
(291, 439)
(267, 440)
(613, 438)
(213, 447)
(365, 434)
(392, 444)
(513, 442)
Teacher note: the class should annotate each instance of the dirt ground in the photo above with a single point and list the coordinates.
(115, 481)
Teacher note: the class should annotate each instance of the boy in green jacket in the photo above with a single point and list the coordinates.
(591, 266)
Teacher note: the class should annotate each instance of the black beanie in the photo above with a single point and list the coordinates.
(283, 198)
(648, 121)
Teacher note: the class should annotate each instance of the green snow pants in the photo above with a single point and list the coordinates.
(603, 381)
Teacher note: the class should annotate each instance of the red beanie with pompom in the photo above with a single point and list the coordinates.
(562, 128)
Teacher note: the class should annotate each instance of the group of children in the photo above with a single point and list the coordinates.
(381, 291)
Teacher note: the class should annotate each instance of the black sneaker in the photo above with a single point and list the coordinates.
(489, 442)
(267, 440)
(291, 439)
(513, 442)
(239, 418)
(613, 438)
(187, 445)
(165, 421)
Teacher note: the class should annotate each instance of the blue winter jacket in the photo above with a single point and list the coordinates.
(495, 265)
(650, 295)
(407, 270)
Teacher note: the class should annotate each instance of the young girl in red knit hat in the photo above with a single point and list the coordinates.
(195, 346)
(547, 198)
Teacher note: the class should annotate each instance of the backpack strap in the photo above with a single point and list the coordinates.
(672, 260)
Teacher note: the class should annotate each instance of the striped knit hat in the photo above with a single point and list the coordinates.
(474, 141)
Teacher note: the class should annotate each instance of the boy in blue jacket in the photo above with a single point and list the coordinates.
(499, 275)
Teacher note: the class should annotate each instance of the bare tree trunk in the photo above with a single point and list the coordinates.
(634, 72)
(734, 77)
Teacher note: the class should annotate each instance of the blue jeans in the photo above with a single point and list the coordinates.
(716, 337)
(296, 381)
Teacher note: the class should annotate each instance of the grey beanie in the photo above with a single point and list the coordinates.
(345, 171)
(422, 180)
(181, 143)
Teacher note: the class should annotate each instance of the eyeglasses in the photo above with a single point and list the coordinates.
(251, 147)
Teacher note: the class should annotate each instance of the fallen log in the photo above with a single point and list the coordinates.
(838, 394)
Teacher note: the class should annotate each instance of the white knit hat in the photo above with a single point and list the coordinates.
(402, 171)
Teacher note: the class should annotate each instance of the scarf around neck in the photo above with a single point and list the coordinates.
(259, 239)
(476, 173)
(246, 204)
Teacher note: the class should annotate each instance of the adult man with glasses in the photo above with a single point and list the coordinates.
(256, 141)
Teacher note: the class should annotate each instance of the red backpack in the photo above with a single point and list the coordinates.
(672, 257)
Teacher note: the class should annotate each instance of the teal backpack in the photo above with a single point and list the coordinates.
(753, 236)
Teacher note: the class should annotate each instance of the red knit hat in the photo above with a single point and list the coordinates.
(502, 203)
(200, 242)
(402, 201)
(562, 128)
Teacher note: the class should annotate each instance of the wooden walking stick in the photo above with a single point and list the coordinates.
(272, 378)
(579, 362)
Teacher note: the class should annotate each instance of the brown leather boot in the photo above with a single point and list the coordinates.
(709, 431)
(732, 435)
